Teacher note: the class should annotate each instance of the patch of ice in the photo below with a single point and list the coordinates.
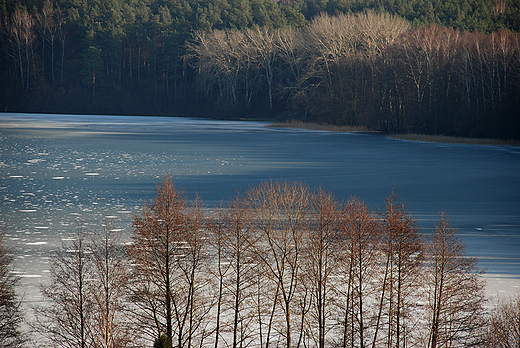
(36, 160)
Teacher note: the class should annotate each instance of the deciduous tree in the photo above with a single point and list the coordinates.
(455, 291)
(169, 256)
(279, 213)
(322, 256)
(66, 319)
(361, 237)
(19, 33)
(504, 328)
(11, 315)
(236, 270)
(402, 248)
(108, 286)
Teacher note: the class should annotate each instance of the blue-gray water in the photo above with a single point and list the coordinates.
(58, 169)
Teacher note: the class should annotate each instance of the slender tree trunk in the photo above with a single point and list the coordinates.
(220, 292)
(347, 304)
(237, 302)
(381, 302)
(167, 282)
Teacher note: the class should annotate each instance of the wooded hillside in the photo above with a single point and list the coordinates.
(432, 67)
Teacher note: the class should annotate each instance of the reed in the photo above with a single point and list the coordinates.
(409, 137)
(453, 140)
(317, 126)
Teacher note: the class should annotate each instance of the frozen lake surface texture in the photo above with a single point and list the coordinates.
(58, 169)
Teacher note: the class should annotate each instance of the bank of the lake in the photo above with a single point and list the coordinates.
(445, 139)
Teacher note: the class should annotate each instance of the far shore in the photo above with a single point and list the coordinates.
(408, 137)
(453, 140)
(319, 127)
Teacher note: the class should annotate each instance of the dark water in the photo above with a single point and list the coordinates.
(56, 170)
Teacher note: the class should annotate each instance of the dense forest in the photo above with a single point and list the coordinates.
(419, 66)
(278, 266)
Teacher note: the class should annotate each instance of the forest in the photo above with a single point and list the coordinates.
(396, 66)
(278, 266)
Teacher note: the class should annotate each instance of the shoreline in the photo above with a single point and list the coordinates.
(441, 139)
(320, 127)
(295, 124)
(444, 139)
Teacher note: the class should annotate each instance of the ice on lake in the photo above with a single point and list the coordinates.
(59, 170)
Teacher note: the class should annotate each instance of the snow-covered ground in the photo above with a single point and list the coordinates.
(501, 287)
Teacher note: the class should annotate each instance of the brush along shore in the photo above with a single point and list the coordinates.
(318, 126)
(409, 137)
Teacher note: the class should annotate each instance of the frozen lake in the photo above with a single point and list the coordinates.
(58, 169)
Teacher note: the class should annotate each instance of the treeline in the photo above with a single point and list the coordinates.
(130, 57)
(115, 57)
(371, 70)
(280, 266)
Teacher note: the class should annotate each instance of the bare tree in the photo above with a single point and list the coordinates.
(291, 55)
(361, 234)
(66, 319)
(237, 268)
(455, 290)
(279, 213)
(86, 297)
(323, 247)
(504, 327)
(19, 32)
(330, 40)
(402, 249)
(155, 247)
(47, 28)
(222, 60)
(10, 313)
(262, 41)
(376, 31)
(110, 272)
(168, 253)
(61, 34)
(338, 44)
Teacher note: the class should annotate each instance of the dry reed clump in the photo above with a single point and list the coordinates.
(317, 126)
(409, 137)
(453, 140)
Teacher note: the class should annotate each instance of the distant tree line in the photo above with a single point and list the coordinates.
(432, 66)
(368, 69)
(280, 266)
